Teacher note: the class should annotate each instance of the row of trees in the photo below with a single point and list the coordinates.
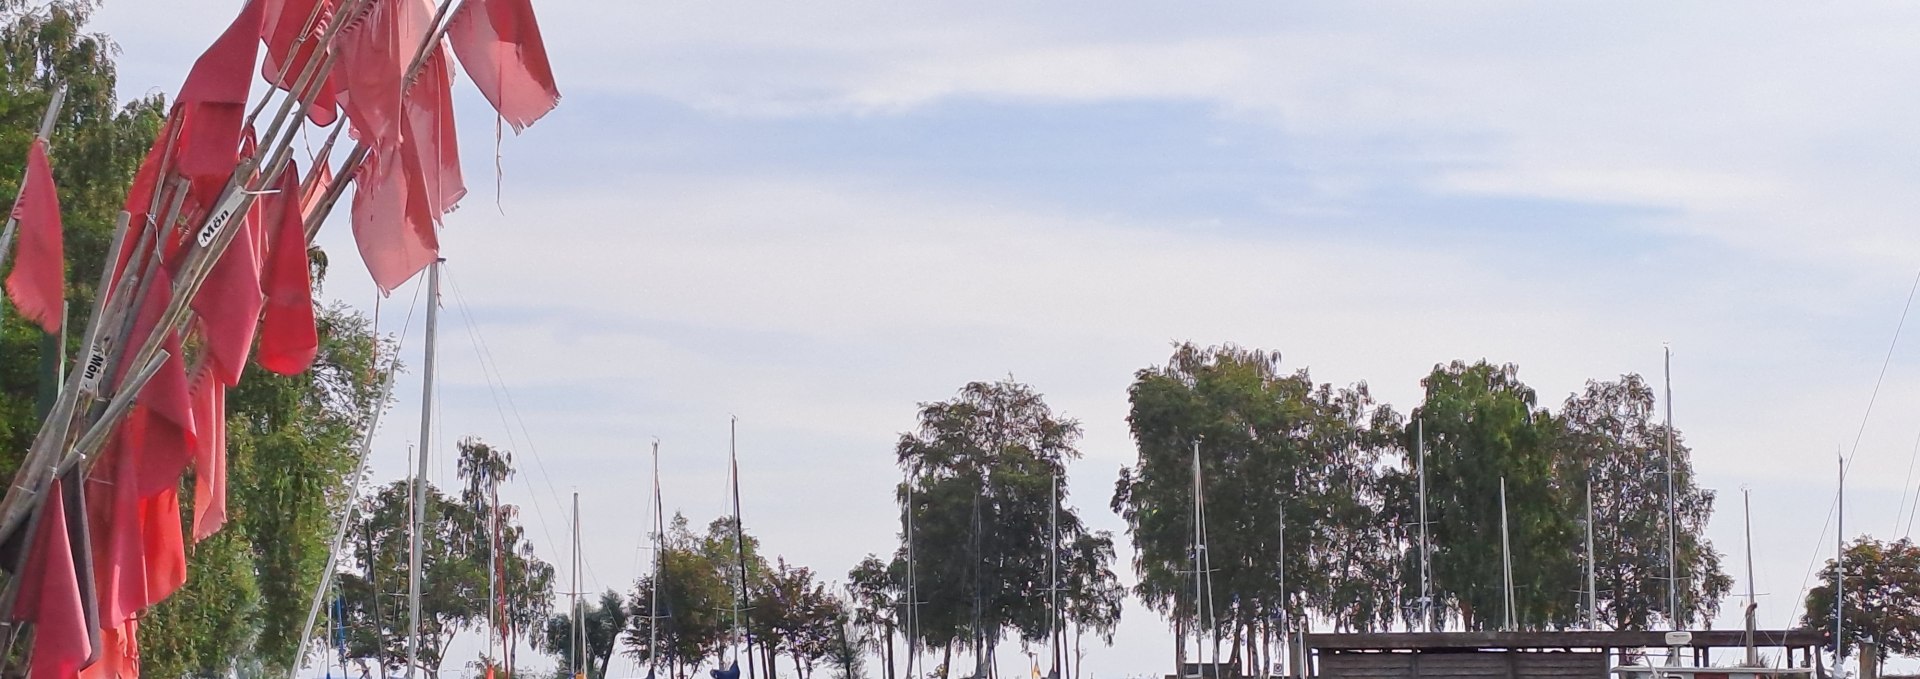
(787, 614)
(996, 550)
(1312, 506)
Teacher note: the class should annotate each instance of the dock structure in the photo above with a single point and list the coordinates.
(1535, 655)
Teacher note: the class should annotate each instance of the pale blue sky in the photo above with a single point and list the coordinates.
(816, 216)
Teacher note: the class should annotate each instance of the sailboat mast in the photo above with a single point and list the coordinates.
(1053, 587)
(739, 543)
(1426, 593)
(1506, 555)
(1839, 570)
(1673, 568)
(1746, 506)
(653, 607)
(1593, 587)
(494, 585)
(420, 470)
(579, 634)
(913, 592)
(1199, 633)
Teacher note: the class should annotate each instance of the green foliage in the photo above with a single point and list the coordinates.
(453, 578)
(290, 440)
(1608, 436)
(1296, 514)
(605, 620)
(878, 592)
(985, 468)
(1481, 428)
(694, 617)
(1882, 597)
(794, 614)
(96, 146)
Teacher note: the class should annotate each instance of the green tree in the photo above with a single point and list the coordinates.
(694, 617)
(877, 594)
(985, 467)
(453, 579)
(605, 620)
(1882, 597)
(1609, 438)
(1296, 517)
(1091, 592)
(493, 539)
(1481, 427)
(453, 591)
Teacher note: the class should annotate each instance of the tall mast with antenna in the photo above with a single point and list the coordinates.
(739, 544)
(420, 471)
(1839, 571)
(1673, 524)
(653, 607)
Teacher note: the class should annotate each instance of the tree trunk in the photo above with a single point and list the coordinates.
(1079, 656)
(946, 661)
(889, 653)
(1179, 648)
(1234, 657)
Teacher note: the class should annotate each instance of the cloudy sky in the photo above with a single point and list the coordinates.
(815, 216)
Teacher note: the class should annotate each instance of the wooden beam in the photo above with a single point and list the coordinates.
(1457, 641)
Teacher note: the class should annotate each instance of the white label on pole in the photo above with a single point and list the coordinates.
(223, 213)
(95, 368)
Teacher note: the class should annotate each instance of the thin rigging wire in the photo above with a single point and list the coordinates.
(1908, 531)
(494, 389)
(1819, 546)
(1875, 395)
(1861, 433)
(489, 363)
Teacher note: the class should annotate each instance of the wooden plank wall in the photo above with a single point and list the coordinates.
(1499, 665)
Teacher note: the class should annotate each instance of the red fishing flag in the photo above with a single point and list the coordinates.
(499, 43)
(431, 145)
(210, 457)
(392, 222)
(289, 340)
(214, 98)
(290, 49)
(230, 301)
(371, 54)
(38, 283)
(120, 567)
(145, 460)
(163, 546)
(54, 592)
(120, 652)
